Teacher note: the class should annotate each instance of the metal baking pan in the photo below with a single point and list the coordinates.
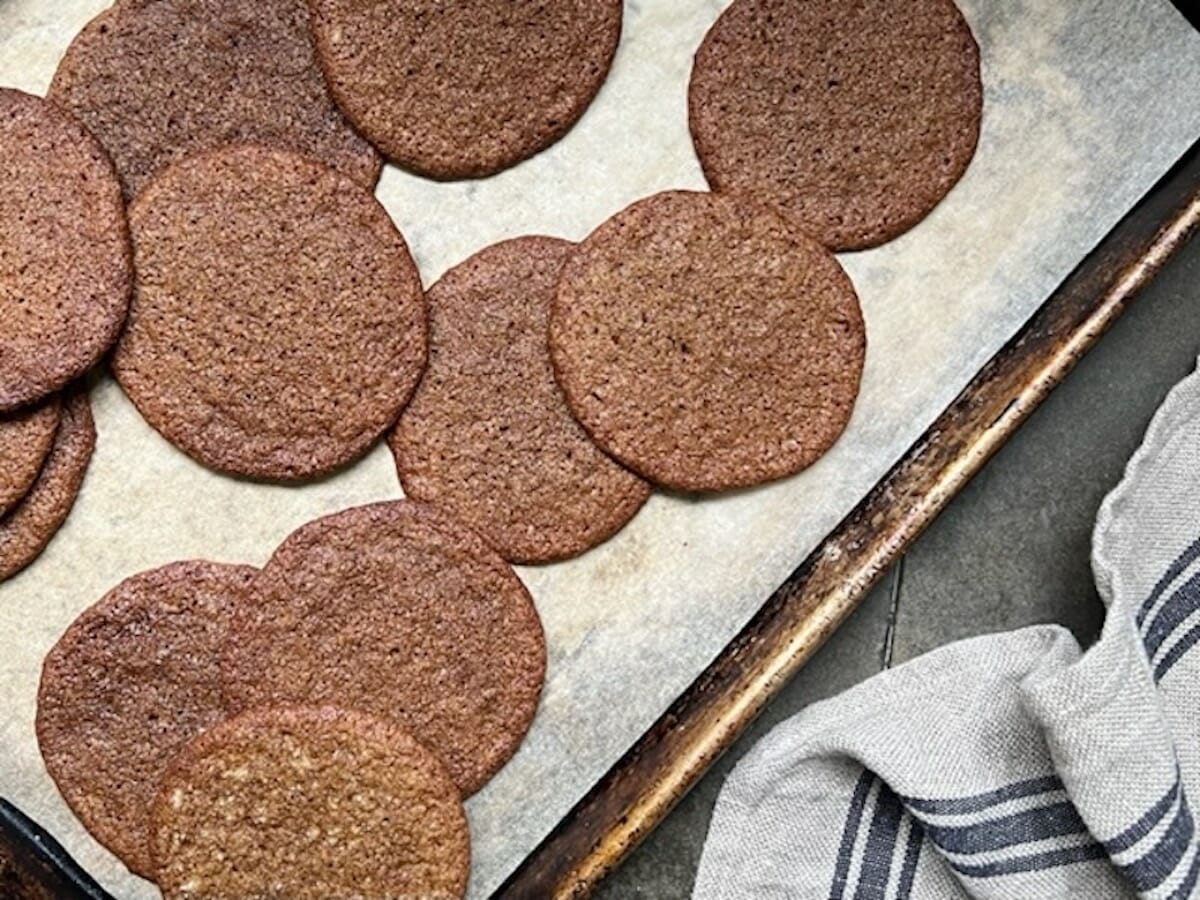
(642, 786)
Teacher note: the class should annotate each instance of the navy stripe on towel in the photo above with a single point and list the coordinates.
(1054, 818)
(1023, 827)
(1182, 604)
(881, 846)
(1048, 860)
(850, 834)
(956, 806)
(1145, 824)
(1185, 559)
(1182, 646)
(1160, 862)
(1184, 891)
(916, 837)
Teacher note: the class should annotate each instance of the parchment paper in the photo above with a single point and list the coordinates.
(1088, 102)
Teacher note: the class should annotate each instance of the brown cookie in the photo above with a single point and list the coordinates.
(461, 90)
(27, 529)
(854, 119)
(278, 322)
(26, 437)
(64, 250)
(134, 678)
(309, 803)
(487, 435)
(157, 80)
(397, 610)
(706, 343)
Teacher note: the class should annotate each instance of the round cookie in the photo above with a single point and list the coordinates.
(706, 343)
(134, 678)
(397, 610)
(278, 323)
(854, 119)
(157, 80)
(65, 267)
(487, 435)
(309, 803)
(463, 90)
(26, 437)
(28, 527)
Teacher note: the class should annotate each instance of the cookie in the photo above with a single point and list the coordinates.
(397, 610)
(462, 90)
(134, 678)
(157, 80)
(65, 268)
(854, 119)
(28, 527)
(26, 437)
(309, 803)
(278, 323)
(487, 436)
(706, 343)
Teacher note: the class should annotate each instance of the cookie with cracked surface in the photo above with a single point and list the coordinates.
(707, 343)
(278, 322)
(854, 119)
(309, 803)
(134, 678)
(465, 90)
(157, 80)
(487, 435)
(26, 437)
(28, 527)
(65, 265)
(398, 610)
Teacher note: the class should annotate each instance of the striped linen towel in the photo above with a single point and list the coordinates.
(1010, 766)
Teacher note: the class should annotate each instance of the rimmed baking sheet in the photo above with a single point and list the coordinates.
(1087, 105)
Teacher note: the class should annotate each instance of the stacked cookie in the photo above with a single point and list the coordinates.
(315, 722)
(64, 288)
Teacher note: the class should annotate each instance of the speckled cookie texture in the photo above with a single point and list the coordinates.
(134, 678)
(309, 804)
(64, 250)
(278, 322)
(26, 437)
(855, 119)
(397, 610)
(706, 342)
(487, 436)
(28, 527)
(456, 90)
(157, 80)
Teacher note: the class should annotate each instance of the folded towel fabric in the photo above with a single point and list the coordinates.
(1008, 766)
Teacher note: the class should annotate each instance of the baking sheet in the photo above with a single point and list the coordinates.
(1088, 102)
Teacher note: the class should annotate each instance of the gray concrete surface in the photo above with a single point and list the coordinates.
(1011, 550)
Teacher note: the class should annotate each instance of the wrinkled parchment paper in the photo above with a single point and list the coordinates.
(1088, 102)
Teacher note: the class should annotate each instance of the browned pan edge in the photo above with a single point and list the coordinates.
(643, 786)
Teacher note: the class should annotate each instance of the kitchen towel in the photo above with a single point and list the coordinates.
(1010, 766)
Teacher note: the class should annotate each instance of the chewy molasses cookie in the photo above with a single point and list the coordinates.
(156, 80)
(278, 323)
(133, 679)
(28, 527)
(458, 90)
(26, 437)
(64, 250)
(487, 436)
(309, 804)
(397, 610)
(706, 343)
(854, 119)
